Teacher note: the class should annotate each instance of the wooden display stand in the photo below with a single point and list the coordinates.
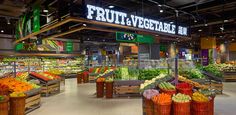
(51, 88)
(33, 100)
(127, 87)
(230, 76)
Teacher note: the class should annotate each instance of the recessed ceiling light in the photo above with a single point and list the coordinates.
(161, 11)
(46, 11)
(221, 36)
(2, 31)
(111, 6)
(205, 24)
(84, 24)
(199, 30)
(226, 20)
(171, 22)
(195, 21)
(233, 39)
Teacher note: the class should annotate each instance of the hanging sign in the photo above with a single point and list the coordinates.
(121, 18)
(69, 46)
(131, 37)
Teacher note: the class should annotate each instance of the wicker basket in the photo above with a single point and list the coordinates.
(79, 78)
(17, 105)
(211, 106)
(4, 92)
(181, 108)
(85, 78)
(109, 89)
(148, 106)
(200, 108)
(170, 92)
(187, 91)
(100, 89)
(162, 109)
(4, 106)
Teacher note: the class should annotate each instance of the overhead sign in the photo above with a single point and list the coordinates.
(121, 18)
(131, 37)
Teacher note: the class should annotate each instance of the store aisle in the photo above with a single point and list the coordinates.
(80, 100)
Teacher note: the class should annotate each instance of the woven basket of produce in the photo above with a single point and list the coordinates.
(4, 89)
(211, 106)
(4, 106)
(148, 106)
(17, 103)
(79, 78)
(181, 104)
(100, 87)
(109, 89)
(200, 104)
(184, 88)
(162, 104)
(167, 88)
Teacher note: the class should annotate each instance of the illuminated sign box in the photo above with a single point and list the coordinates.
(121, 18)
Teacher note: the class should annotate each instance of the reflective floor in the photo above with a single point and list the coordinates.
(80, 100)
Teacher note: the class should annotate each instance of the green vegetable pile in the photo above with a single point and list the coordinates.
(191, 73)
(167, 86)
(214, 69)
(126, 73)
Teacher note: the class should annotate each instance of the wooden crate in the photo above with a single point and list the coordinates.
(51, 89)
(126, 89)
(230, 77)
(33, 100)
(217, 86)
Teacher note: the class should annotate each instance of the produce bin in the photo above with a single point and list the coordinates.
(4, 92)
(4, 106)
(100, 89)
(148, 106)
(79, 78)
(109, 89)
(170, 92)
(181, 108)
(186, 91)
(17, 105)
(85, 78)
(162, 109)
(211, 106)
(200, 108)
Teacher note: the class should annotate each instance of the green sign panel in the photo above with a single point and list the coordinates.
(134, 38)
(19, 46)
(36, 20)
(126, 37)
(69, 46)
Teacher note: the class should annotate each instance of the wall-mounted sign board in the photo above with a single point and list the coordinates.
(121, 18)
(134, 38)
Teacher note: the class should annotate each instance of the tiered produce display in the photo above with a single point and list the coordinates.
(50, 83)
(201, 101)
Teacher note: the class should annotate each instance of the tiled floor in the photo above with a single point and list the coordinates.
(80, 100)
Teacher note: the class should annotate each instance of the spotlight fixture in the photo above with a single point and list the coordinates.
(111, 6)
(161, 11)
(2, 31)
(171, 22)
(46, 11)
(221, 36)
(84, 24)
(205, 24)
(199, 30)
(226, 20)
(195, 21)
(222, 28)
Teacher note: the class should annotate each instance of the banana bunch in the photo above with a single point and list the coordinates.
(199, 97)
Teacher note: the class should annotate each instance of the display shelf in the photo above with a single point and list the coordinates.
(33, 100)
(127, 87)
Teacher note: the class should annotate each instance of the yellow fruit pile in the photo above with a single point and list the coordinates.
(17, 94)
(199, 97)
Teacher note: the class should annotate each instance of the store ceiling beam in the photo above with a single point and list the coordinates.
(212, 23)
(82, 20)
(44, 30)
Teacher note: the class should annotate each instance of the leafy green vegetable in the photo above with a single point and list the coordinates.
(191, 73)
